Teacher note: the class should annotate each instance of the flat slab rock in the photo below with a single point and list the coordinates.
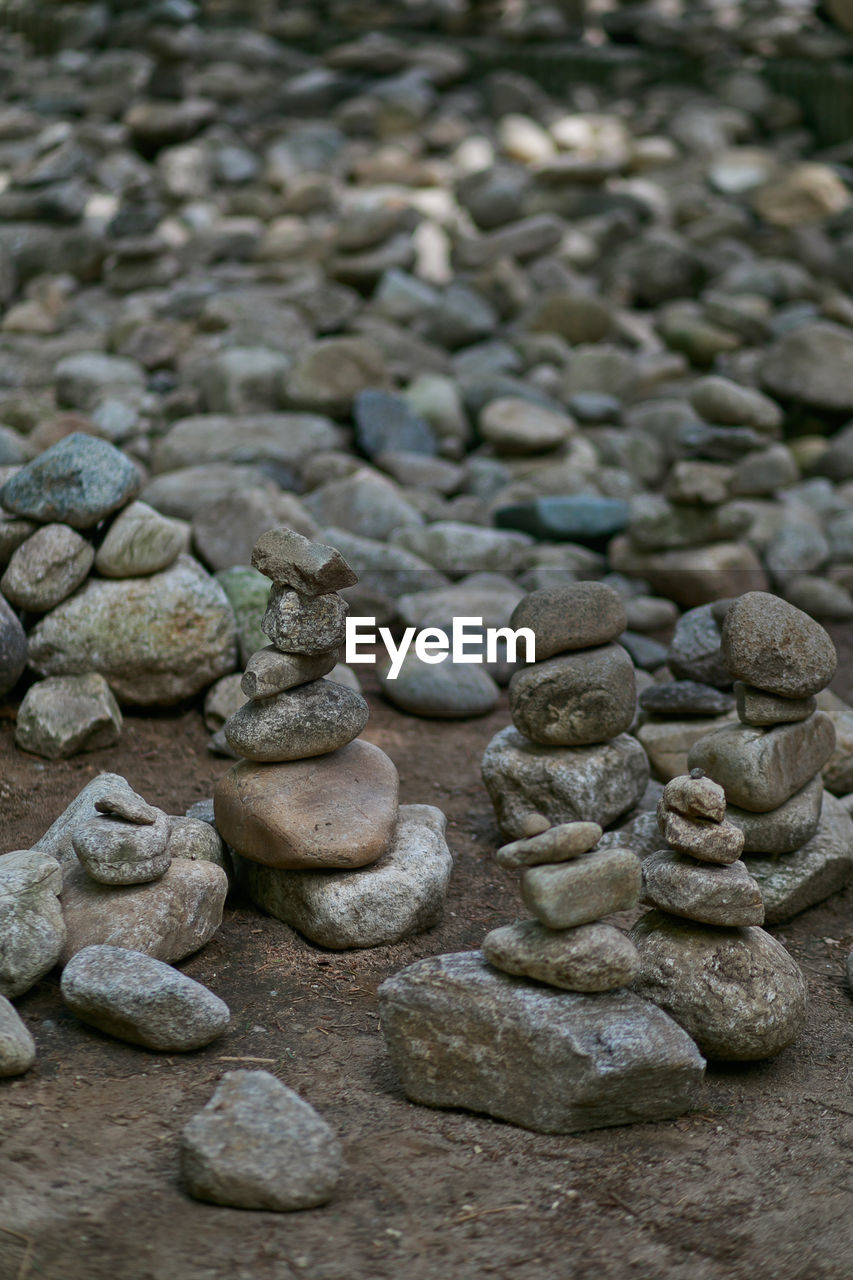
(462, 1034)
(792, 882)
(400, 895)
(534, 787)
(168, 919)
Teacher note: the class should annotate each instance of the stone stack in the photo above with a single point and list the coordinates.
(569, 885)
(309, 807)
(702, 956)
(799, 840)
(568, 756)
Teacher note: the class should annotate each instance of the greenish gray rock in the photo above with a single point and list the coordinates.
(290, 560)
(579, 616)
(534, 787)
(575, 699)
(258, 1145)
(769, 643)
(77, 481)
(567, 894)
(462, 1034)
(658, 525)
(457, 549)
(736, 992)
(47, 568)
(583, 517)
(557, 844)
(65, 715)
(133, 997)
(57, 840)
(755, 706)
(139, 542)
(728, 403)
(399, 895)
(811, 363)
(269, 671)
(117, 852)
(792, 882)
(668, 742)
(157, 640)
(168, 919)
(365, 504)
(762, 768)
(444, 690)
(31, 926)
(17, 1047)
(304, 624)
(591, 957)
(247, 592)
(222, 700)
(721, 895)
(309, 720)
(784, 829)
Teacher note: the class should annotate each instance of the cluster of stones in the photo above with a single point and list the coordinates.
(311, 810)
(702, 955)
(569, 755)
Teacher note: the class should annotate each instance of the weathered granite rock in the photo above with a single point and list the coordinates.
(762, 768)
(721, 895)
(534, 787)
(736, 992)
(399, 895)
(57, 840)
(719, 842)
(13, 648)
(133, 997)
(668, 742)
(794, 881)
(784, 829)
(168, 918)
(567, 894)
(575, 699)
(17, 1047)
(77, 482)
(310, 568)
(579, 616)
(333, 811)
(769, 643)
(694, 797)
(461, 1034)
(157, 640)
(754, 706)
(269, 671)
(694, 651)
(591, 957)
(64, 715)
(46, 568)
(310, 720)
(119, 852)
(198, 841)
(32, 931)
(304, 624)
(140, 541)
(557, 844)
(258, 1145)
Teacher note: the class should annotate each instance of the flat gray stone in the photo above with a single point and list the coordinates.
(792, 882)
(576, 699)
(399, 895)
(133, 997)
(304, 624)
(721, 895)
(557, 844)
(591, 957)
(65, 715)
(258, 1145)
(755, 706)
(444, 690)
(534, 787)
(462, 1034)
(17, 1047)
(32, 930)
(310, 720)
(311, 568)
(784, 829)
(57, 840)
(769, 643)
(668, 742)
(762, 768)
(567, 894)
(207, 439)
(737, 992)
(269, 671)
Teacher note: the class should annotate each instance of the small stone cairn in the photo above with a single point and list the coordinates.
(568, 755)
(703, 958)
(798, 838)
(311, 810)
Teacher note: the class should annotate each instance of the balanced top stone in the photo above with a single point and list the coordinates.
(695, 796)
(311, 568)
(774, 646)
(574, 617)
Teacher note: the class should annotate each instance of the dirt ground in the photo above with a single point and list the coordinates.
(758, 1182)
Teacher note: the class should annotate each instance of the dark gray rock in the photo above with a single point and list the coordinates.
(77, 482)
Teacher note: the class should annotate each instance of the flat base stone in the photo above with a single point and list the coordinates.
(400, 895)
(791, 882)
(534, 787)
(462, 1034)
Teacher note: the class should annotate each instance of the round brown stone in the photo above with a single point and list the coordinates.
(330, 811)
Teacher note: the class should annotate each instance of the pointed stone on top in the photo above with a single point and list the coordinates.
(311, 568)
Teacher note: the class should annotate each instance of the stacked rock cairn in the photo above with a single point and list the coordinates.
(310, 810)
(568, 756)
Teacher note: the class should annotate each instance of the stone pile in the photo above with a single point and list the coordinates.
(702, 955)
(462, 1029)
(311, 810)
(569, 755)
(799, 838)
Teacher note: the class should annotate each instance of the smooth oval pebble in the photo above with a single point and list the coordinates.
(574, 617)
